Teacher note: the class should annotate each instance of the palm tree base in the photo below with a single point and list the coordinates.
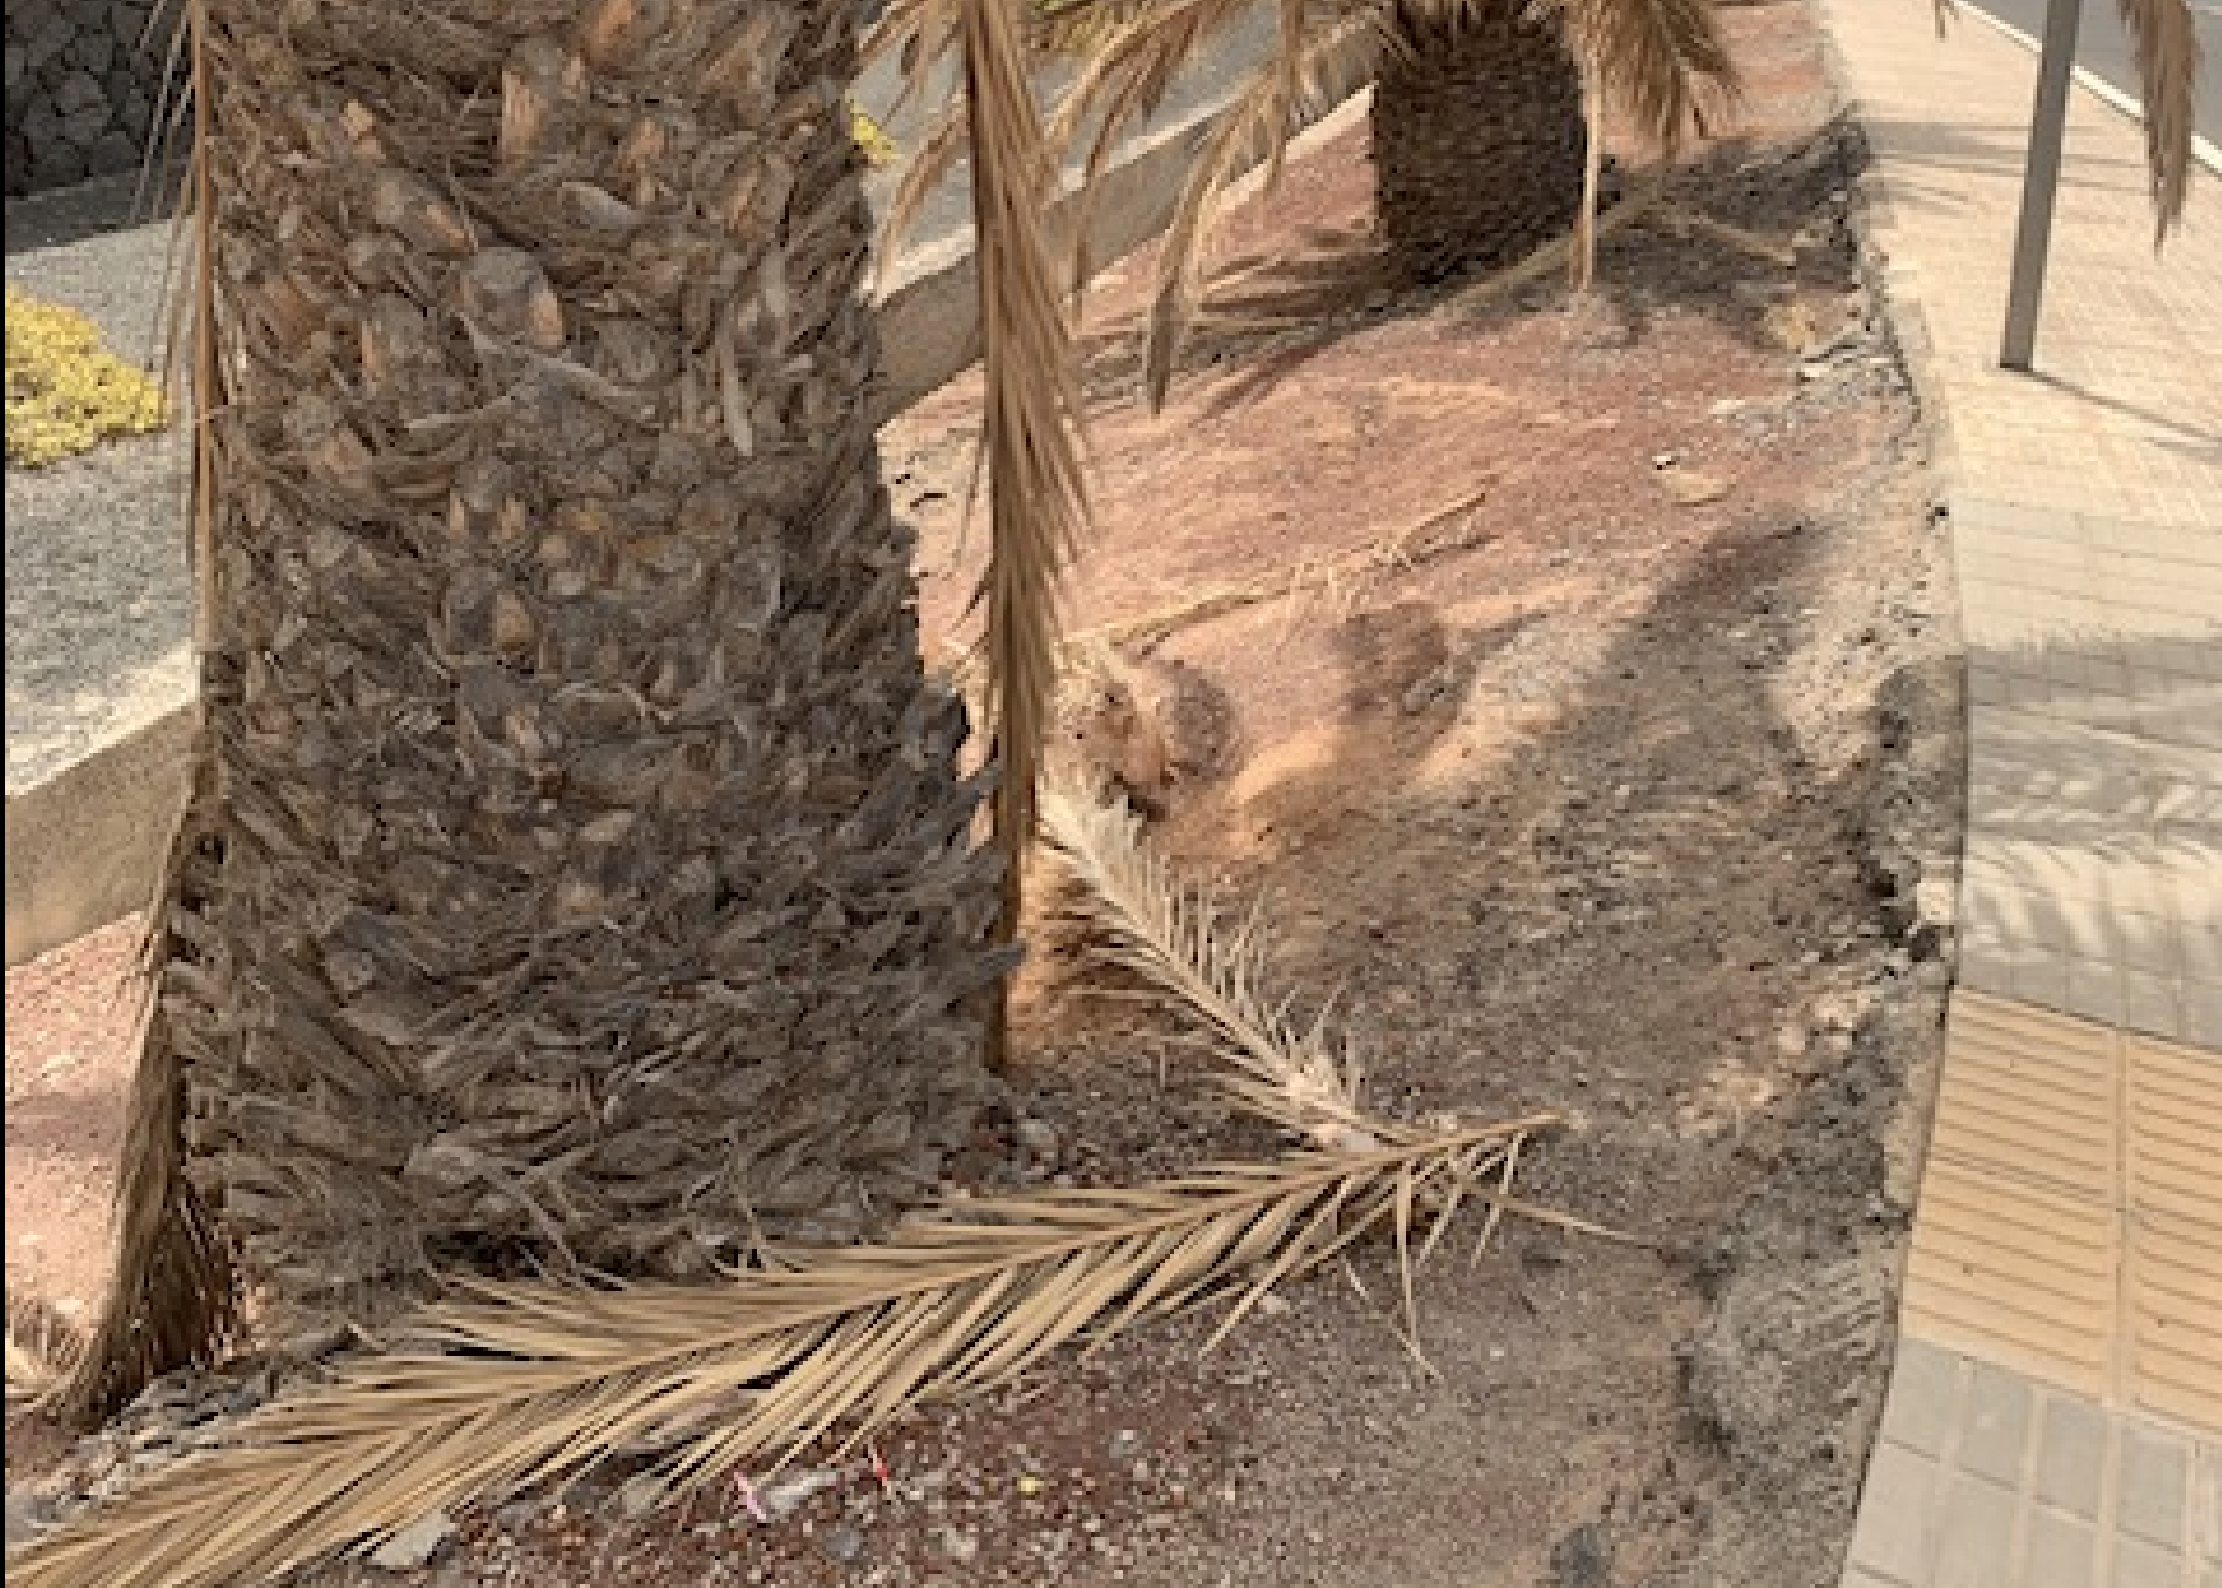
(1478, 140)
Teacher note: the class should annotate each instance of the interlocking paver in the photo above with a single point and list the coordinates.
(2061, 1553)
(1924, 1403)
(2073, 1452)
(2055, 1414)
(1895, 1528)
(1974, 1534)
(2155, 1481)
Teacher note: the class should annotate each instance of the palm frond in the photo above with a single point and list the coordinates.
(526, 1384)
(1125, 80)
(1593, 169)
(1655, 60)
(43, 1348)
(1276, 105)
(1298, 1076)
(940, 148)
(173, 1298)
(920, 36)
(1038, 509)
(2167, 42)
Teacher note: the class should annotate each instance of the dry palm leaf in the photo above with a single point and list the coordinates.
(43, 1348)
(174, 1298)
(1296, 1075)
(2167, 41)
(1656, 60)
(1029, 431)
(2166, 38)
(526, 1384)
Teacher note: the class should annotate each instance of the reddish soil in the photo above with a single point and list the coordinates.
(70, 1019)
(1573, 815)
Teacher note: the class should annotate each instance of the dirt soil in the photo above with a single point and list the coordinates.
(1587, 717)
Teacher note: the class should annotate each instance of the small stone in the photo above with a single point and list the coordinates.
(415, 1545)
(842, 1543)
(1692, 487)
(1038, 1138)
(1583, 1558)
(789, 1492)
(640, 1495)
(1728, 407)
(958, 1545)
(1124, 1445)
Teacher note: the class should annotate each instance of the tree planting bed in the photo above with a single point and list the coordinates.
(1575, 683)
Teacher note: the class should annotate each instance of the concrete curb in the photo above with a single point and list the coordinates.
(85, 846)
(2202, 150)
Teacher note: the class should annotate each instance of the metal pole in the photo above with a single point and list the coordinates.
(2040, 182)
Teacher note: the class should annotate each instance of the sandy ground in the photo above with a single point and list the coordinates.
(1585, 724)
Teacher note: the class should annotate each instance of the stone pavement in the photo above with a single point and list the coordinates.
(2055, 1413)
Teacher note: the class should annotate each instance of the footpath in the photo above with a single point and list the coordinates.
(2055, 1414)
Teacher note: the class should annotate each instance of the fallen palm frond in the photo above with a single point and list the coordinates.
(1684, 221)
(1555, 254)
(43, 1348)
(1444, 532)
(526, 1384)
(1029, 433)
(1301, 1077)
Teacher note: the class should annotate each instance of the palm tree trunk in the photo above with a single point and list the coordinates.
(1478, 139)
(585, 871)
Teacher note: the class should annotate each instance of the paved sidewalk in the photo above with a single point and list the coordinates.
(2055, 1414)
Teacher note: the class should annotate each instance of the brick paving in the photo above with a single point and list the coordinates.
(2055, 1412)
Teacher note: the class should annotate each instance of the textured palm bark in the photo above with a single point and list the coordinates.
(588, 871)
(1478, 140)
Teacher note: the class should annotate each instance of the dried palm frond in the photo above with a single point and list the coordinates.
(173, 1298)
(1659, 62)
(525, 1384)
(1256, 128)
(921, 37)
(1301, 1077)
(43, 1348)
(1127, 77)
(1029, 432)
(2168, 52)
(1655, 60)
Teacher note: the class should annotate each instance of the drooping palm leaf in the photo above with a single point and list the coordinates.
(525, 1384)
(1256, 127)
(1029, 430)
(173, 1296)
(1657, 61)
(2168, 59)
(1654, 60)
